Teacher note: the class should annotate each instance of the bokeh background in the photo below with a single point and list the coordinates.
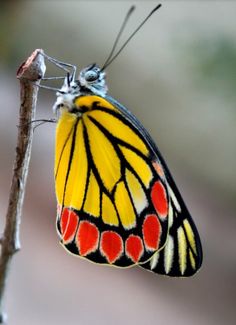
(178, 76)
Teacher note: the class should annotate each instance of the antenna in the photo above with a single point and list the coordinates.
(131, 10)
(110, 58)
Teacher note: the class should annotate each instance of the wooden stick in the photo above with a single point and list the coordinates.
(29, 74)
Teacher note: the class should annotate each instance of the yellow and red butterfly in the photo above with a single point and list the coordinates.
(117, 201)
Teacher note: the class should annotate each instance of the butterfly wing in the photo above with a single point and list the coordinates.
(112, 193)
(182, 252)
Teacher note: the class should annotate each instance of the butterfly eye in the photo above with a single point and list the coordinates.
(91, 75)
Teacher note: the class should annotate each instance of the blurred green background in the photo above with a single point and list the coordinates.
(178, 76)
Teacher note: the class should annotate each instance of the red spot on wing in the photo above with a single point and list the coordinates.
(159, 199)
(87, 238)
(68, 222)
(134, 248)
(111, 246)
(151, 232)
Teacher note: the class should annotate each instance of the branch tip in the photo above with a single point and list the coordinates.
(33, 69)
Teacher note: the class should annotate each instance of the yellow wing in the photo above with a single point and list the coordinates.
(107, 185)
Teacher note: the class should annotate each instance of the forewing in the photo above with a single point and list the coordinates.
(182, 252)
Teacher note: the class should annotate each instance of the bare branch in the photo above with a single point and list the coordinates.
(29, 74)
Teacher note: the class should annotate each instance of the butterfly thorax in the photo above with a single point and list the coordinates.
(91, 81)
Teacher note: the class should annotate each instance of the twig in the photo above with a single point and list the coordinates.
(29, 74)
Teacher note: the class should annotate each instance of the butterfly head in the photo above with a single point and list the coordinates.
(91, 80)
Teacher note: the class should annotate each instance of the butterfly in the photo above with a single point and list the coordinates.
(117, 201)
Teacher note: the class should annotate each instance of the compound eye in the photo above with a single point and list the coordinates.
(91, 75)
